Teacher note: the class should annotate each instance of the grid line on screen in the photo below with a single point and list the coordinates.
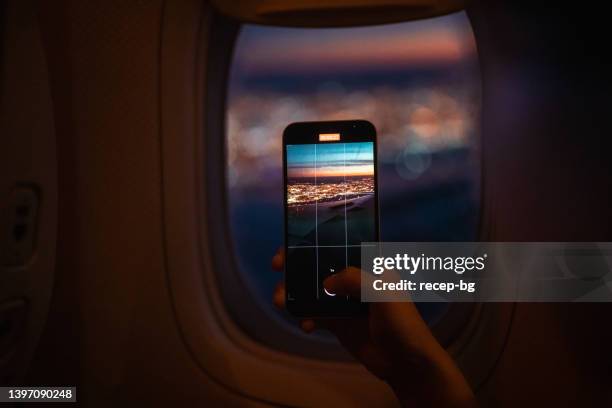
(345, 223)
(329, 246)
(316, 221)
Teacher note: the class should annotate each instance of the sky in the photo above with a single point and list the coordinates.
(438, 41)
(334, 159)
(416, 81)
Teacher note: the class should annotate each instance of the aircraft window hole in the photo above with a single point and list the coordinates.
(417, 82)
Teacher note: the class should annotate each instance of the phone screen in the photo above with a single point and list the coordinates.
(331, 207)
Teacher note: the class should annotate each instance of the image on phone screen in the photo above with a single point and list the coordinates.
(331, 209)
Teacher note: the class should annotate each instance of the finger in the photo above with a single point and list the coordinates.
(345, 283)
(278, 298)
(308, 325)
(278, 260)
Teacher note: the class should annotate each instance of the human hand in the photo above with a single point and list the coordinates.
(393, 342)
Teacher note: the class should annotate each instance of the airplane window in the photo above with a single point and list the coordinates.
(417, 82)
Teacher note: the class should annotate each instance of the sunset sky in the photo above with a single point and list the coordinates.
(439, 41)
(334, 159)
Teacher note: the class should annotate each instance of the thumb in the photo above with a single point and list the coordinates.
(346, 282)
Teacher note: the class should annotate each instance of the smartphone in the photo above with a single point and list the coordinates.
(331, 207)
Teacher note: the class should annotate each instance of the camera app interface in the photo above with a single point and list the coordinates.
(331, 210)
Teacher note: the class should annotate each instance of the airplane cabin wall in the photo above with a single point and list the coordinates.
(546, 177)
(28, 189)
(112, 328)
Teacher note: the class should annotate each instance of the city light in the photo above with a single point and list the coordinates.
(309, 193)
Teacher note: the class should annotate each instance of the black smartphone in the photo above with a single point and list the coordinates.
(331, 207)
